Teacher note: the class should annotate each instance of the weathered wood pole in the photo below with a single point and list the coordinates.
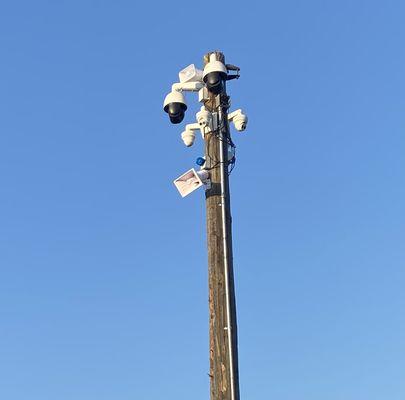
(224, 374)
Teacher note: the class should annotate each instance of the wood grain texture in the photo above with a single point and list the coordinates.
(218, 337)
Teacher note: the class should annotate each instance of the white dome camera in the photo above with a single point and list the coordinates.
(239, 120)
(175, 105)
(214, 74)
(188, 136)
(204, 117)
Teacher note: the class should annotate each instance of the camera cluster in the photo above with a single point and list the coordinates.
(211, 79)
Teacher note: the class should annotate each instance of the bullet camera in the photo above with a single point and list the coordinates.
(204, 117)
(214, 74)
(175, 105)
(239, 120)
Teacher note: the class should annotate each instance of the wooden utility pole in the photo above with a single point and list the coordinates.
(224, 374)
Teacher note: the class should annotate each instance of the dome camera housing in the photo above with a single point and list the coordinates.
(240, 122)
(204, 117)
(214, 75)
(188, 137)
(239, 119)
(175, 105)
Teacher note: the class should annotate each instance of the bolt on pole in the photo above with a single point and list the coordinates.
(224, 372)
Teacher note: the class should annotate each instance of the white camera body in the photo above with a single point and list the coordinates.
(215, 74)
(239, 120)
(204, 117)
(175, 106)
(188, 136)
(214, 66)
(174, 97)
(175, 103)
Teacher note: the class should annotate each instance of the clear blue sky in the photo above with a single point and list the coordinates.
(103, 270)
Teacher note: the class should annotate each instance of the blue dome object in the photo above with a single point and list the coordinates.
(200, 161)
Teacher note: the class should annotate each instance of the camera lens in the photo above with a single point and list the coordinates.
(176, 112)
(214, 82)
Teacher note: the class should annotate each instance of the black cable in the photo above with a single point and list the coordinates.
(213, 162)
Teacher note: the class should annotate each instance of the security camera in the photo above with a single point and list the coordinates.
(188, 135)
(204, 117)
(175, 105)
(239, 120)
(214, 74)
(188, 138)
